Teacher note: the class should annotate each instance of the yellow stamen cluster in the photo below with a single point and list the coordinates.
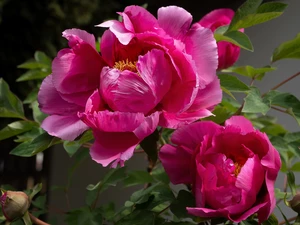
(237, 169)
(126, 65)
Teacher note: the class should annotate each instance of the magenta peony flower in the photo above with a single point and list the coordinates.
(232, 169)
(228, 52)
(75, 76)
(150, 72)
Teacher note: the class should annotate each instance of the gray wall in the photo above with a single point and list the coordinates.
(265, 37)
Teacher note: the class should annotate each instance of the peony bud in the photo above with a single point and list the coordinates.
(14, 204)
(295, 203)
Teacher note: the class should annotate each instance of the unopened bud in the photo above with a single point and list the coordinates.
(295, 203)
(14, 204)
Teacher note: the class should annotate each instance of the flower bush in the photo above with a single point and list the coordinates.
(164, 87)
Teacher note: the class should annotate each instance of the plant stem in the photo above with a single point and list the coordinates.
(37, 221)
(283, 82)
(290, 219)
(87, 145)
(164, 209)
(278, 109)
(284, 188)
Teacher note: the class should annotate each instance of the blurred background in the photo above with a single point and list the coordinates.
(30, 25)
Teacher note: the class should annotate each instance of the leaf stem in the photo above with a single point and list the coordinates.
(37, 221)
(278, 109)
(87, 145)
(162, 211)
(283, 82)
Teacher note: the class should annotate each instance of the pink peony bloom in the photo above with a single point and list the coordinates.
(150, 72)
(232, 168)
(75, 76)
(228, 52)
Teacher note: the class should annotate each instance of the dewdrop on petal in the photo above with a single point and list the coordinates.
(14, 204)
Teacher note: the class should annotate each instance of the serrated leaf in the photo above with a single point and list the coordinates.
(137, 177)
(237, 38)
(10, 105)
(232, 83)
(39, 144)
(16, 128)
(287, 50)
(254, 103)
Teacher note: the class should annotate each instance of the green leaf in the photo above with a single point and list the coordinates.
(287, 50)
(38, 115)
(249, 71)
(281, 195)
(272, 220)
(84, 216)
(221, 113)
(31, 97)
(237, 38)
(26, 219)
(40, 202)
(291, 182)
(250, 14)
(138, 217)
(42, 58)
(254, 103)
(248, 8)
(32, 64)
(149, 144)
(10, 105)
(33, 75)
(284, 100)
(137, 177)
(142, 195)
(36, 189)
(296, 167)
(284, 217)
(160, 174)
(184, 199)
(232, 83)
(71, 147)
(29, 135)
(16, 128)
(39, 144)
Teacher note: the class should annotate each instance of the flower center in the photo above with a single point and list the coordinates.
(237, 169)
(126, 65)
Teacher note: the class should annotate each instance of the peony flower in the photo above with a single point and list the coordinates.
(232, 168)
(228, 52)
(14, 204)
(150, 72)
(75, 76)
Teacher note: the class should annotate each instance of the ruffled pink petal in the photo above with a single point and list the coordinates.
(240, 121)
(150, 67)
(202, 46)
(217, 18)
(76, 36)
(141, 19)
(190, 136)
(251, 176)
(78, 98)
(64, 127)
(240, 217)
(185, 87)
(50, 102)
(177, 162)
(117, 28)
(115, 147)
(117, 134)
(207, 97)
(77, 70)
(166, 17)
(108, 40)
(207, 213)
(95, 103)
(126, 91)
(176, 120)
